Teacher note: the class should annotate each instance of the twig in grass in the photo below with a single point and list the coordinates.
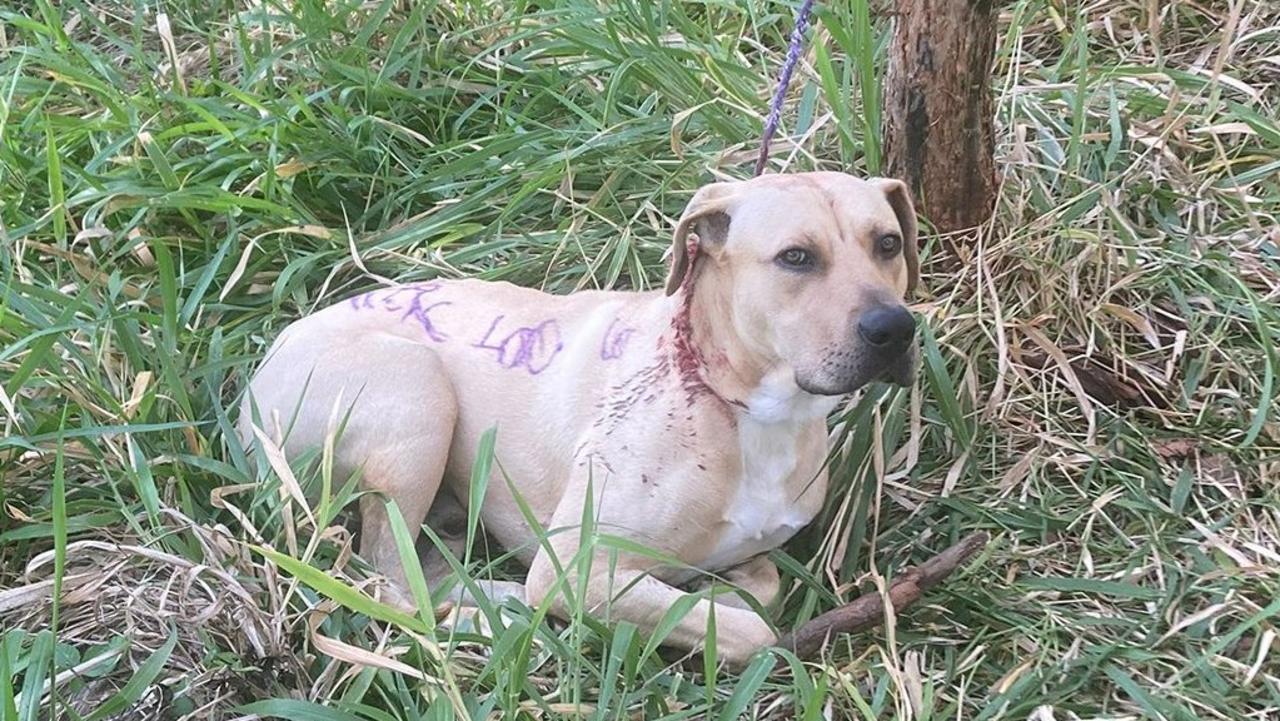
(868, 610)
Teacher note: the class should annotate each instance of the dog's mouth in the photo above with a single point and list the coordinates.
(903, 372)
(899, 370)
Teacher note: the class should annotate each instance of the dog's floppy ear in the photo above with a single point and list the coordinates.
(704, 223)
(900, 200)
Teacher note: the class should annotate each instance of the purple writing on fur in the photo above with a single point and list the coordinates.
(615, 340)
(408, 302)
(530, 347)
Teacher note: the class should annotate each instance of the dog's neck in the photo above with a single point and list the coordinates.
(706, 348)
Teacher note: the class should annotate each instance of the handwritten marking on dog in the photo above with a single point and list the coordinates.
(615, 340)
(394, 301)
(529, 347)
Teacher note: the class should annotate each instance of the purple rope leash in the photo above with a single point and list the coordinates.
(784, 79)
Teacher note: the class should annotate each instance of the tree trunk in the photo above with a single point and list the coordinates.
(938, 124)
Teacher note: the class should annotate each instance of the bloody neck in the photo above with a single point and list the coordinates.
(706, 351)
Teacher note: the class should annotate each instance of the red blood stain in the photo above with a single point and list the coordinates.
(688, 359)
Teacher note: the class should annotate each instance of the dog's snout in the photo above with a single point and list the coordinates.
(888, 327)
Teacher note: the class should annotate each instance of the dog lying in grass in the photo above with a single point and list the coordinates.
(694, 419)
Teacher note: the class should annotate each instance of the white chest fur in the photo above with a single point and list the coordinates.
(772, 500)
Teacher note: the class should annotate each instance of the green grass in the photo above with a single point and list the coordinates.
(1098, 392)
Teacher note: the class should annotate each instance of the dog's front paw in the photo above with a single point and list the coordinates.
(736, 650)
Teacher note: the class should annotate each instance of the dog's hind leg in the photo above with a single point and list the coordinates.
(390, 405)
(448, 520)
(410, 434)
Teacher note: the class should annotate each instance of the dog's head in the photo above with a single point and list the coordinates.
(812, 268)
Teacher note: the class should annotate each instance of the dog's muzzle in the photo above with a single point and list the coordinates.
(884, 350)
(888, 332)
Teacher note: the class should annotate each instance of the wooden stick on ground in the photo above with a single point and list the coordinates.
(868, 610)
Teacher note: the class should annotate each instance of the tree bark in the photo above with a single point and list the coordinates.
(939, 135)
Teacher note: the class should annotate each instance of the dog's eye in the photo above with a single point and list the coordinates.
(889, 245)
(796, 258)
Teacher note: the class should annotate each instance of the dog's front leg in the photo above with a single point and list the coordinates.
(758, 577)
(629, 593)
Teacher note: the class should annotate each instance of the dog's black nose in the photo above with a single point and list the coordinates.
(887, 327)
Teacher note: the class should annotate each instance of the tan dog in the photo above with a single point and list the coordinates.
(696, 416)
